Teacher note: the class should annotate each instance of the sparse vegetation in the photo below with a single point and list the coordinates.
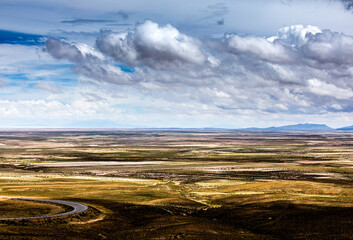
(181, 184)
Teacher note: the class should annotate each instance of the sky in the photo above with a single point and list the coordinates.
(175, 63)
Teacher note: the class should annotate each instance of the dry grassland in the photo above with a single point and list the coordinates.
(180, 184)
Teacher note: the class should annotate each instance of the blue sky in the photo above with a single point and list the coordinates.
(175, 63)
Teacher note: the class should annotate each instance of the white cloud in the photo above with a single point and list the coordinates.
(297, 45)
(179, 70)
(74, 52)
(259, 48)
(327, 89)
(89, 51)
(282, 48)
(295, 35)
(243, 74)
(88, 61)
(41, 109)
(336, 106)
(159, 47)
(330, 48)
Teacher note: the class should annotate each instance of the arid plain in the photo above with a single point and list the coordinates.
(171, 184)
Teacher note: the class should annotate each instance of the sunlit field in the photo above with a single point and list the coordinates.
(179, 184)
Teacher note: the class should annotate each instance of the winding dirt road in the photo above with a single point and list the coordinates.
(77, 207)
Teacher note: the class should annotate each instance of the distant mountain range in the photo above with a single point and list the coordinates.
(349, 128)
(297, 127)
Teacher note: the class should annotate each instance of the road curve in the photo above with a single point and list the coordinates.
(77, 207)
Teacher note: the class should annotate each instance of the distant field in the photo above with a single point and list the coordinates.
(181, 184)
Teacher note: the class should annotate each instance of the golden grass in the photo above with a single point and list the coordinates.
(12, 208)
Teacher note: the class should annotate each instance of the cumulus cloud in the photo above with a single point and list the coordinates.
(158, 47)
(298, 45)
(286, 47)
(259, 48)
(73, 52)
(327, 89)
(329, 47)
(295, 35)
(89, 62)
(300, 70)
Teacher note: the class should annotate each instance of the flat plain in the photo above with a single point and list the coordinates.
(179, 184)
